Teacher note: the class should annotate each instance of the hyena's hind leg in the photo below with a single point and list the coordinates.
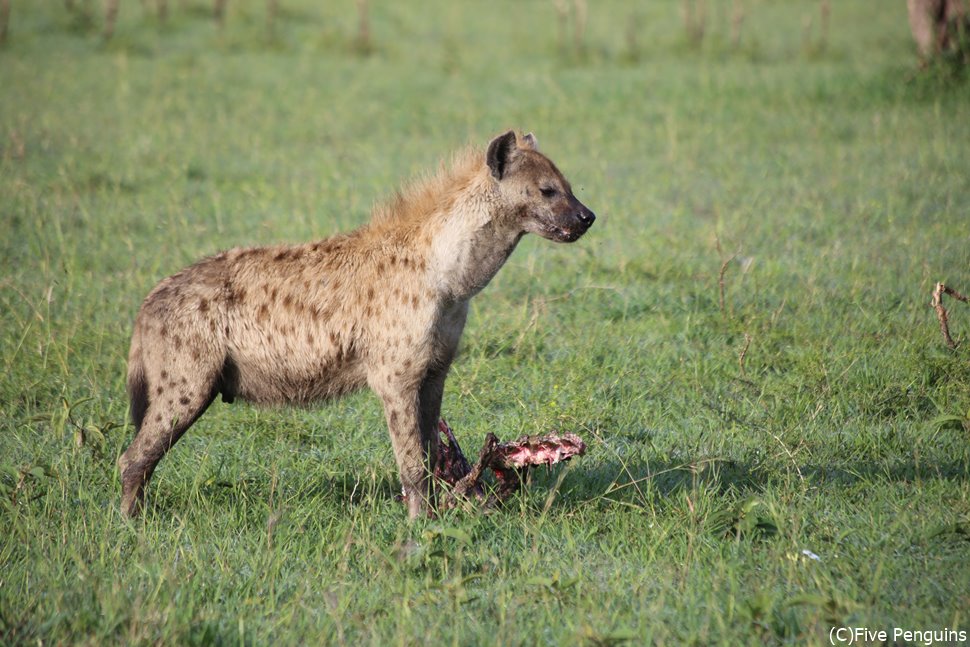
(157, 435)
(163, 406)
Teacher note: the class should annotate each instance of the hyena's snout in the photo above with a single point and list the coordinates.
(584, 216)
(576, 221)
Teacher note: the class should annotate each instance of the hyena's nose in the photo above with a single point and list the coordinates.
(586, 217)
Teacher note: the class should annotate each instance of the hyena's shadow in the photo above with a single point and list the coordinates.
(259, 493)
(641, 482)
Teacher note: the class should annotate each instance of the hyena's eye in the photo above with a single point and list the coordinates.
(548, 192)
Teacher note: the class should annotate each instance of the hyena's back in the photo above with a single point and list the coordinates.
(179, 340)
(266, 324)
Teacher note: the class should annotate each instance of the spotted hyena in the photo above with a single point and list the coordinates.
(383, 306)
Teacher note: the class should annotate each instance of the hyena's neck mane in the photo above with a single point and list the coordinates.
(435, 196)
(455, 220)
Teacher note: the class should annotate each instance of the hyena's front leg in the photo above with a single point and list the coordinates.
(432, 389)
(415, 461)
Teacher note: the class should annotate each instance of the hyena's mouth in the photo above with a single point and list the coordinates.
(568, 236)
(564, 234)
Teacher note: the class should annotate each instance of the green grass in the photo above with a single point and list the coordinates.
(835, 170)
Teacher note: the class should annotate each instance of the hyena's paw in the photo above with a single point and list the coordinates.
(132, 503)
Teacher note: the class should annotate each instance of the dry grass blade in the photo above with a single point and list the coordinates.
(744, 351)
(720, 274)
(938, 291)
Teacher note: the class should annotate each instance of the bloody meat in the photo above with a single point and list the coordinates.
(509, 462)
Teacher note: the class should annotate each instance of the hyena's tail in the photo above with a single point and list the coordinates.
(137, 386)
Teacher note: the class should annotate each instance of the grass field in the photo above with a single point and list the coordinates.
(817, 409)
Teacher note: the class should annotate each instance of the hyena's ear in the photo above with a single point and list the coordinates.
(529, 141)
(499, 153)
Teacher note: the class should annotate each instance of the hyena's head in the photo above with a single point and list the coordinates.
(538, 194)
